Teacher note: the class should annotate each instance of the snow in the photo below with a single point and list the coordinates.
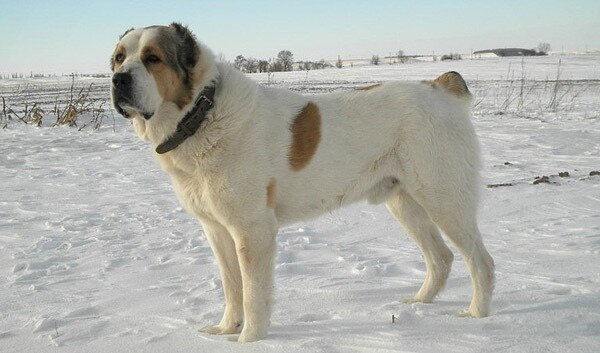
(97, 255)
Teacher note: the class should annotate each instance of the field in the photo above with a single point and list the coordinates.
(96, 255)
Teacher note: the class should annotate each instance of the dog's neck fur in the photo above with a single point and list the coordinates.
(218, 123)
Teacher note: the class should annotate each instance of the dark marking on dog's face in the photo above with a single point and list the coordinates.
(125, 33)
(152, 66)
(187, 50)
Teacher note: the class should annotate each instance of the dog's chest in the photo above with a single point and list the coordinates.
(194, 190)
(195, 194)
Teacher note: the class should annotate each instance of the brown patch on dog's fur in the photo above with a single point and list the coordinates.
(306, 135)
(453, 82)
(169, 83)
(368, 87)
(242, 250)
(271, 189)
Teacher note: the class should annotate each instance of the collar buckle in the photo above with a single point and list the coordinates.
(202, 97)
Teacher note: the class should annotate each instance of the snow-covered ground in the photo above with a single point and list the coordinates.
(96, 255)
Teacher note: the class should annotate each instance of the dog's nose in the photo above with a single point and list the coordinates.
(122, 80)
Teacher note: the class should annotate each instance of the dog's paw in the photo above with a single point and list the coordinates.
(249, 335)
(415, 299)
(218, 330)
(465, 313)
(212, 330)
(472, 314)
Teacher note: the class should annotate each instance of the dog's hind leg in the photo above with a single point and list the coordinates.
(453, 210)
(223, 247)
(464, 234)
(418, 225)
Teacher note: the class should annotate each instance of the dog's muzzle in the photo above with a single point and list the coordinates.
(122, 88)
(123, 97)
(122, 81)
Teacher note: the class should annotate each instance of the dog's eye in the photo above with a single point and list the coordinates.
(119, 58)
(152, 59)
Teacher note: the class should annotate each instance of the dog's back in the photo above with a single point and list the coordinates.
(354, 145)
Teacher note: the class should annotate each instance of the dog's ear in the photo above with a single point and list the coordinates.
(112, 59)
(125, 33)
(188, 51)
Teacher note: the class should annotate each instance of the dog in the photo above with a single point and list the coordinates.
(246, 159)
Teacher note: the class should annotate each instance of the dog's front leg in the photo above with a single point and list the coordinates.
(224, 249)
(139, 125)
(255, 246)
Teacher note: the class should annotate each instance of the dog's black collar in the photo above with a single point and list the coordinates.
(192, 120)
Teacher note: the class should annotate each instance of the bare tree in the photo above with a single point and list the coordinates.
(543, 48)
(451, 56)
(276, 66)
(339, 63)
(375, 60)
(250, 65)
(263, 66)
(286, 58)
(239, 61)
(401, 57)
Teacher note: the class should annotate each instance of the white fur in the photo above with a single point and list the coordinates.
(407, 144)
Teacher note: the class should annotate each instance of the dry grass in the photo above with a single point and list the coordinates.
(521, 95)
(79, 110)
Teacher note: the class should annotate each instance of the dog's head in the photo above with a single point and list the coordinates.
(152, 66)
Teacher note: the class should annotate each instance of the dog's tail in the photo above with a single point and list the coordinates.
(452, 82)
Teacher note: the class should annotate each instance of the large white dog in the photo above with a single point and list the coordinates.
(246, 159)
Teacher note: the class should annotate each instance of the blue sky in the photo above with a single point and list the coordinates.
(63, 36)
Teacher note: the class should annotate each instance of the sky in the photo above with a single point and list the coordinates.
(64, 36)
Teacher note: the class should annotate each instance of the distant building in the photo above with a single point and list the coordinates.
(509, 52)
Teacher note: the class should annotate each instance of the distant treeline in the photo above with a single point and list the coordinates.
(542, 49)
(283, 62)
